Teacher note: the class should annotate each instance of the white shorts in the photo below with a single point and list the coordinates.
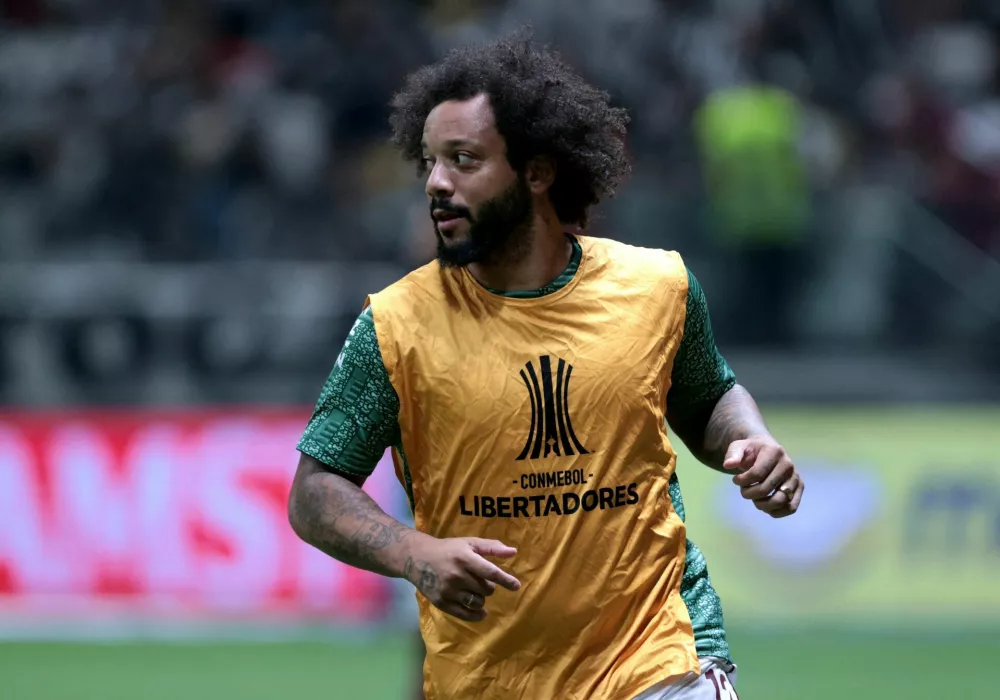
(716, 682)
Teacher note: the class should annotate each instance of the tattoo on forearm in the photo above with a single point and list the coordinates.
(343, 521)
(735, 417)
(421, 574)
(372, 534)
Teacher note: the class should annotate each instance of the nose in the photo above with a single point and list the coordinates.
(438, 182)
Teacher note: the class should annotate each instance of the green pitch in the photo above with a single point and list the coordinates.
(773, 667)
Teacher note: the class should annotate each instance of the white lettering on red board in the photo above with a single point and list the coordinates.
(168, 512)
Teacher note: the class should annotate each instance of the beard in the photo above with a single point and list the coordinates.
(498, 233)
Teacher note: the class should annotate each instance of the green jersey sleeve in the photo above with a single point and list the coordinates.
(700, 375)
(357, 415)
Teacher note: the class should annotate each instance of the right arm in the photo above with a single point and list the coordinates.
(332, 513)
(355, 420)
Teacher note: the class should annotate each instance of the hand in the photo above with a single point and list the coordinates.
(767, 476)
(454, 575)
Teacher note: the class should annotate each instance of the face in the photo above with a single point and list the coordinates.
(481, 207)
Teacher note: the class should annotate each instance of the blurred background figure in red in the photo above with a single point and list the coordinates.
(197, 196)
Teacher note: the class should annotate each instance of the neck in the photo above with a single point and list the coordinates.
(544, 258)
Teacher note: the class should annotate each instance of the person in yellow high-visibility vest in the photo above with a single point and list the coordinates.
(759, 201)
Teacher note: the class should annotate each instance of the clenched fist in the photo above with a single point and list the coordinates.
(767, 475)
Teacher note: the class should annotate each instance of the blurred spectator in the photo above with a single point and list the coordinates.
(760, 205)
(223, 131)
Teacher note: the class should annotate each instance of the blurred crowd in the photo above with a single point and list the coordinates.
(807, 157)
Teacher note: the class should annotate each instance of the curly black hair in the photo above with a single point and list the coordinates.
(542, 107)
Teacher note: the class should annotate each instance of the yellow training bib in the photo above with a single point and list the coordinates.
(540, 423)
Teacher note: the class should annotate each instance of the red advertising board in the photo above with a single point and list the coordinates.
(168, 514)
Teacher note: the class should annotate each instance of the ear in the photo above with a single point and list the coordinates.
(540, 173)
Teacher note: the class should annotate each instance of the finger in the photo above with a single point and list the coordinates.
(461, 612)
(767, 458)
(781, 475)
(491, 548)
(475, 584)
(797, 496)
(773, 503)
(486, 588)
(790, 508)
(472, 600)
(735, 455)
(489, 571)
(793, 504)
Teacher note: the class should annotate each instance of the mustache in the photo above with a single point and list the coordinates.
(445, 205)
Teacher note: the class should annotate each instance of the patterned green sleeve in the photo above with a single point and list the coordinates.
(357, 415)
(700, 375)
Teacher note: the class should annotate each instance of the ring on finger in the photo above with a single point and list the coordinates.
(470, 598)
(787, 488)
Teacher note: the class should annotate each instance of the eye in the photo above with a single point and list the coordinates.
(464, 159)
(427, 162)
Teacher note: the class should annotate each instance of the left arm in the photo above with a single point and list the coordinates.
(719, 421)
(710, 431)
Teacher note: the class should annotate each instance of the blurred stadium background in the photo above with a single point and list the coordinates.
(196, 195)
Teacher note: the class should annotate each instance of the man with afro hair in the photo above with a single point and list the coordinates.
(525, 381)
